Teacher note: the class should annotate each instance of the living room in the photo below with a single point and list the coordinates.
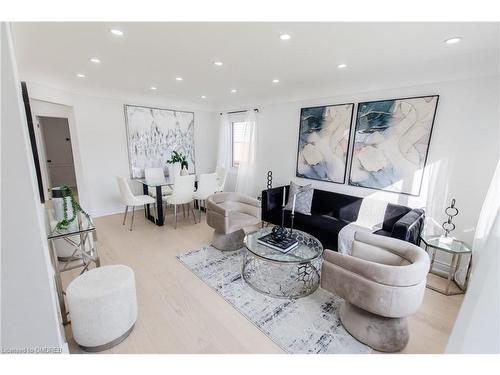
(250, 187)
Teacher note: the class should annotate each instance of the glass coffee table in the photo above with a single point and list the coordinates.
(282, 275)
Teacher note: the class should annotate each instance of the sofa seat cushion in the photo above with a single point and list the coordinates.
(240, 220)
(324, 227)
(233, 206)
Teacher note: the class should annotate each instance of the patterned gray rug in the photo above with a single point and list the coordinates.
(306, 325)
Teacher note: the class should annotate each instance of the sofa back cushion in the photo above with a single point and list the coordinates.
(393, 213)
(346, 208)
(343, 207)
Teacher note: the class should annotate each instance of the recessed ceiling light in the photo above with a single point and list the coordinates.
(233, 91)
(218, 63)
(341, 66)
(178, 78)
(203, 96)
(285, 36)
(116, 32)
(276, 80)
(80, 75)
(95, 60)
(153, 88)
(453, 40)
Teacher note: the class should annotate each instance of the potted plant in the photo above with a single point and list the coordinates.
(177, 162)
(63, 218)
(66, 208)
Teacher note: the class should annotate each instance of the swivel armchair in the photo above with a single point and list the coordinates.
(232, 215)
(382, 283)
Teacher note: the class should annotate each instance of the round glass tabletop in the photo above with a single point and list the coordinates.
(309, 247)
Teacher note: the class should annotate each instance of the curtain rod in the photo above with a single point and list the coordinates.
(246, 110)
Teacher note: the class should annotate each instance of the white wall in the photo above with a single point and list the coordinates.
(462, 155)
(477, 328)
(99, 132)
(29, 311)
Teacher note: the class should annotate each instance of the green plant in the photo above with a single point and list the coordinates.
(65, 222)
(178, 157)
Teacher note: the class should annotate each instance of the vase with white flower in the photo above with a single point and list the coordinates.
(177, 164)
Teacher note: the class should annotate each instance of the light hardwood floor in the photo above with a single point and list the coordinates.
(178, 313)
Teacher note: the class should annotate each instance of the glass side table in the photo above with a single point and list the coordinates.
(454, 247)
(82, 238)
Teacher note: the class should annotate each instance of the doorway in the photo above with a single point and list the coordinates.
(58, 166)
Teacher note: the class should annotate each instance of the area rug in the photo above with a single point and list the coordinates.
(305, 325)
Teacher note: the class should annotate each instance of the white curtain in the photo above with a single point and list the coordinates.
(224, 151)
(246, 180)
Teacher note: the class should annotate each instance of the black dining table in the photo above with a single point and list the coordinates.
(169, 181)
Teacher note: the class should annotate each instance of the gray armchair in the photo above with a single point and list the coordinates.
(382, 282)
(232, 215)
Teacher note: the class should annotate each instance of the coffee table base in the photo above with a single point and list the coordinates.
(278, 279)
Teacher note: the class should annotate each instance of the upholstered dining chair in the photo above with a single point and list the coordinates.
(182, 194)
(131, 200)
(207, 185)
(382, 282)
(221, 178)
(155, 176)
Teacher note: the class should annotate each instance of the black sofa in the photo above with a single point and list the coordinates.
(330, 212)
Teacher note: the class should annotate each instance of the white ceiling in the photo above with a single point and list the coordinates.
(155, 53)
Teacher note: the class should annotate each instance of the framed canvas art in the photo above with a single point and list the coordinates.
(324, 142)
(391, 143)
(152, 135)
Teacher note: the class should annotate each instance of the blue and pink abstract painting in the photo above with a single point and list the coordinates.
(324, 142)
(391, 143)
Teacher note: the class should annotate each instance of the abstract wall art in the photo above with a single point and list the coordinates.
(391, 143)
(153, 134)
(324, 142)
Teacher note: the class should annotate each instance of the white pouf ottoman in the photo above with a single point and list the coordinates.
(103, 307)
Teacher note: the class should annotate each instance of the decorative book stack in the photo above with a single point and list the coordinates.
(284, 245)
(281, 238)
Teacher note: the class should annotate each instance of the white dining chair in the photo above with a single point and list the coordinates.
(131, 200)
(155, 176)
(182, 194)
(207, 186)
(221, 178)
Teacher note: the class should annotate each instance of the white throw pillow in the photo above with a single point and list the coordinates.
(303, 202)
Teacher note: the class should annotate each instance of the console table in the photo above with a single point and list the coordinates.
(82, 238)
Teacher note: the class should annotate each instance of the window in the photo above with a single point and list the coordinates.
(237, 141)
